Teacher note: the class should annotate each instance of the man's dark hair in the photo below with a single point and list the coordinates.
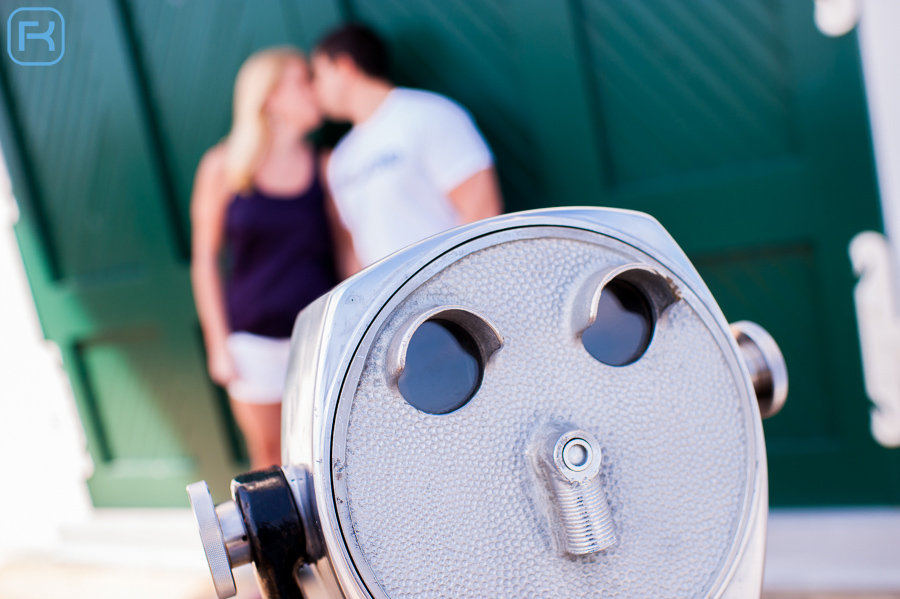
(362, 45)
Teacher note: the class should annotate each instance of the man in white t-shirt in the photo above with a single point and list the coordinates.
(414, 163)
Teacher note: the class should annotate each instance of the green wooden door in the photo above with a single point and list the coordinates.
(107, 264)
(743, 130)
(736, 124)
(101, 149)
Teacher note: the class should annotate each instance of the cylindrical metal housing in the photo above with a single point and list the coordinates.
(587, 324)
(397, 492)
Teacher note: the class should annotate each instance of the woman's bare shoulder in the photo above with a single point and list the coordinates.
(210, 182)
(213, 161)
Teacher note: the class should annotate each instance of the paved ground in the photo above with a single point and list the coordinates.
(828, 596)
(41, 579)
(156, 554)
(38, 579)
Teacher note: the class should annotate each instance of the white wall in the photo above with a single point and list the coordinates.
(43, 463)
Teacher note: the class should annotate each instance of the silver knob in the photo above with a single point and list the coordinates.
(223, 535)
(768, 370)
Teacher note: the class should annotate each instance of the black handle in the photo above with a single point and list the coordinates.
(276, 534)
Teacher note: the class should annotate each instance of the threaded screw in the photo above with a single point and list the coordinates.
(580, 500)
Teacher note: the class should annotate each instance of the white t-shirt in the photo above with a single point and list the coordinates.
(390, 175)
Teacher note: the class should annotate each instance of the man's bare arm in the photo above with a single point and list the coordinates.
(345, 258)
(478, 196)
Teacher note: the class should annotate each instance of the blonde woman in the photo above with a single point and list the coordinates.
(259, 197)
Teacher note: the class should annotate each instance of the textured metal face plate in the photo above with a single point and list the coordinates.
(447, 505)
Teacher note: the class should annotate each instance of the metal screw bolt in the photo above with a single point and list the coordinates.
(580, 499)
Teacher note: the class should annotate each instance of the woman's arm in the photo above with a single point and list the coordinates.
(345, 256)
(209, 202)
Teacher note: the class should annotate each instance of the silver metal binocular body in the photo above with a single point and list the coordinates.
(542, 404)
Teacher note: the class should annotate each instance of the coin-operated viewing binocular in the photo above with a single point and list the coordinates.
(542, 404)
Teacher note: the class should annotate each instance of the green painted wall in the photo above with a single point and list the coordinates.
(736, 124)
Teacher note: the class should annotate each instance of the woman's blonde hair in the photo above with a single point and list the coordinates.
(249, 135)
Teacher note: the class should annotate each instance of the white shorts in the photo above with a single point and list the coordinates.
(261, 364)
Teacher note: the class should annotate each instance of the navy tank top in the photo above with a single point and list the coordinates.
(280, 259)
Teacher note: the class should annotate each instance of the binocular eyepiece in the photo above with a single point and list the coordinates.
(547, 403)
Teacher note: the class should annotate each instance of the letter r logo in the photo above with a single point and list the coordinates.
(36, 36)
